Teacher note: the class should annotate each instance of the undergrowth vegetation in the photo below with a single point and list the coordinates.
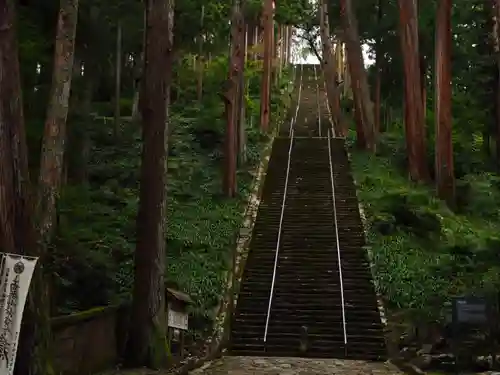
(93, 257)
(423, 252)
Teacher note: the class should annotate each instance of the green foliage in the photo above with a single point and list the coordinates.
(423, 252)
(93, 255)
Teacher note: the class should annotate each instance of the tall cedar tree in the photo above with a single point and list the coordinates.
(233, 101)
(445, 179)
(34, 349)
(496, 43)
(52, 156)
(330, 71)
(147, 342)
(17, 233)
(414, 109)
(379, 59)
(267, 23)
(363, 105)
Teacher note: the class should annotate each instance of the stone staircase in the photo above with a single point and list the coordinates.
(323, 299)
(307, 317)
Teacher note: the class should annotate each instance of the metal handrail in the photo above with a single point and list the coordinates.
(329, 110)
(317, 95)
(337, 240)
(294, 119)
(278, 241)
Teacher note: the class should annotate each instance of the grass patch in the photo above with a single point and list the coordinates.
(92, 261)
(97, 221)
(424, 253)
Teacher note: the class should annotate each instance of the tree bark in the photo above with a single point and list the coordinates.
(17, 231)
(361, 92)
(14, 175)
(347, 77)
(378, 67)
(255, 55)
(231, 103)
(50, 177)
(37, 331)
(55, 124)
(496, 44)
(147, 341)
(330, 71)
(118, 78)
(284, 31)
(445, 179)
(242, 147)
(414, 111)
(287, 46)
(266, 73)
(138, 71)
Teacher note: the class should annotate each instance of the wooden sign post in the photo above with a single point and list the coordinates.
(178, 318)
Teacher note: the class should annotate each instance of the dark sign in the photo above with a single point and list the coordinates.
(471, 310)
(468, 314)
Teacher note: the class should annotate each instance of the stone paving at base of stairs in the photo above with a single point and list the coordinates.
(293, 366)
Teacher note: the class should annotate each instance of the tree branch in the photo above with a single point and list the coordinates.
(310, 38)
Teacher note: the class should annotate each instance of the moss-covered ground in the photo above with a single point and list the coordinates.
(93, 257)
(423, 252)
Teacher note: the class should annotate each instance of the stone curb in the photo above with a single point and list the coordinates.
(368, 249)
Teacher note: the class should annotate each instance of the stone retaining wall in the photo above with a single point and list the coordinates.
(86, 342)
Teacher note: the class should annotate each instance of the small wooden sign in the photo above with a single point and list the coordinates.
(177, 319)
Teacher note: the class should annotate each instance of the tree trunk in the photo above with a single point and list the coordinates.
(242, 147)
(445, 179)
(147, 341)
(414, 111)
(14, 176)
(423, 83)
(255, 55)
(17, 231)
(496, 42)
(347, 77)
(55, 124)
(118, 78)
(37, 327)
(200, 60)
(266, 73)
(361, 92)
(138, 69)
(287, 45)
(247, 36)
(277, 55)
(230, 98)
(284, 36)
(49, 181)
(378, 68)
(330, 71)
(274, 49)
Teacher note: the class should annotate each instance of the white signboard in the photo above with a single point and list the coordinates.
(15, 279)
(177, 320)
